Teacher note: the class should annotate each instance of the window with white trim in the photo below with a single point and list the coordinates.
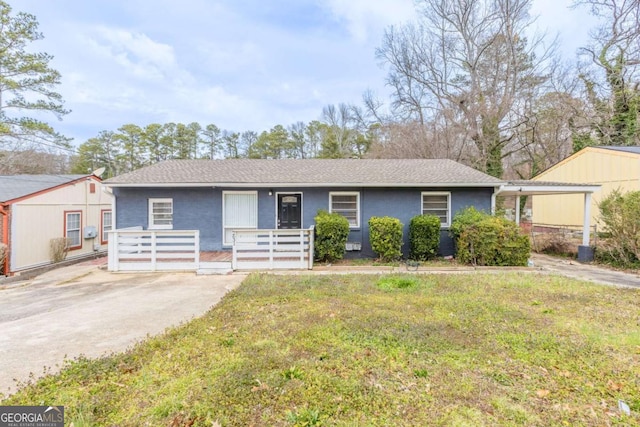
(107, 225)
(346, 204)
(161, 214)
(72, 225)
(438, 204)
(239, 211)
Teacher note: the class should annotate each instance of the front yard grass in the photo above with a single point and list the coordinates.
(405, 350)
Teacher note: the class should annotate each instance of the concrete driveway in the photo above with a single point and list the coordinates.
(591, 273)
(84, 310)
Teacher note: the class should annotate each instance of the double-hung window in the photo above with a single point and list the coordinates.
(347, 204)
(107, 225)
(239, 211)
(72, 226)
(160, 214)
(438, 204)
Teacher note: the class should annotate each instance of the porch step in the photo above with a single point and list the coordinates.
(219, 267)
(211, 271)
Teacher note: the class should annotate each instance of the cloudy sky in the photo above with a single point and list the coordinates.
(239, 64)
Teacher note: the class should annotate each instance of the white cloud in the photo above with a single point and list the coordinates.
(135, 52)
(365, 18)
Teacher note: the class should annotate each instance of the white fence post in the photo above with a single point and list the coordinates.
(311, 247)
(196, 244)
(112, 251)
(270, 249)
(154, 253)
(234, 251)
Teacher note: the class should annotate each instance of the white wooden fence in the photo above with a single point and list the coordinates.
(272, 249)
(135, 249)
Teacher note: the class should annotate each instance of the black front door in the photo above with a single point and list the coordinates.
(290, 210)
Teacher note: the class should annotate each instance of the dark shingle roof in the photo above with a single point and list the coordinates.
(634, 150)
(15, 186)
(347, 172)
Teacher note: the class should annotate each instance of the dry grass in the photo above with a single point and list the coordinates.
(467, 349)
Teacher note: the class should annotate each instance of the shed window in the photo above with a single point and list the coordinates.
(346, 204)
(240, 211)
(107, 225)
(72, 225)
(438, 204)
(161, 214)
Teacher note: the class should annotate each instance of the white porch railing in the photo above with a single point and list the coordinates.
(272, 249)
(153, 250)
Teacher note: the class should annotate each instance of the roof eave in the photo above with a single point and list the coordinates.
(524, 189)
(49, 189)
(298, 185)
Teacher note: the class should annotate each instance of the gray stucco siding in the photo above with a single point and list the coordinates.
(201, 209)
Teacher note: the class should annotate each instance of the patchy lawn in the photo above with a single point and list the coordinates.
(463, 349)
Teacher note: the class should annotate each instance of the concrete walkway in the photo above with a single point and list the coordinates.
(84, 310)
(588, 272)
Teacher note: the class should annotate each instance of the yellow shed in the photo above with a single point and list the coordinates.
(611, 167)
(34, 209)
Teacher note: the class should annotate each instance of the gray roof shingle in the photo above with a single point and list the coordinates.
(633, 149)
(15, 186)
(308, 172)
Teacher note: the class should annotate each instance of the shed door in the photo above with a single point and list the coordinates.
(290, 211)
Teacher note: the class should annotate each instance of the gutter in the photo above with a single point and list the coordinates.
(496, 191)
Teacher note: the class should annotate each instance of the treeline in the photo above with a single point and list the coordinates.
(468, 80)
(131, 146)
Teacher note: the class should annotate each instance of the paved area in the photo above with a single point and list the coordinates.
(84, 310)
(588, 272)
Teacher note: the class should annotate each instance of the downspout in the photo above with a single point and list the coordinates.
(5, 236)
(496, 191)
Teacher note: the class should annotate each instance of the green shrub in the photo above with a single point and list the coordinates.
(424, 237)
(331, 233)
(464, 218)
(620, 215)
(492, 241)
(385, 235)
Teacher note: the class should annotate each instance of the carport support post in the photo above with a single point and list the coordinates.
(585, 252)
(517, 210)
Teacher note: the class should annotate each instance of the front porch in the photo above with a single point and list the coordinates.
(135, 249)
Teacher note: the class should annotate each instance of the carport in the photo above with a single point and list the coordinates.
(519, 188)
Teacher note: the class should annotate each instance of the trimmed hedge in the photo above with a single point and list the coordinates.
(385, 235)
(331, 233)
(491, 241)
(424, 237)
(464, 218)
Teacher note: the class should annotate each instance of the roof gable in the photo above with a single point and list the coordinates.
(602, 150)
(18, 186)
(306, 172)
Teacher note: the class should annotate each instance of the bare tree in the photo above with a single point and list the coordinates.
(34, 162)
(463, 65)
(614, 51)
